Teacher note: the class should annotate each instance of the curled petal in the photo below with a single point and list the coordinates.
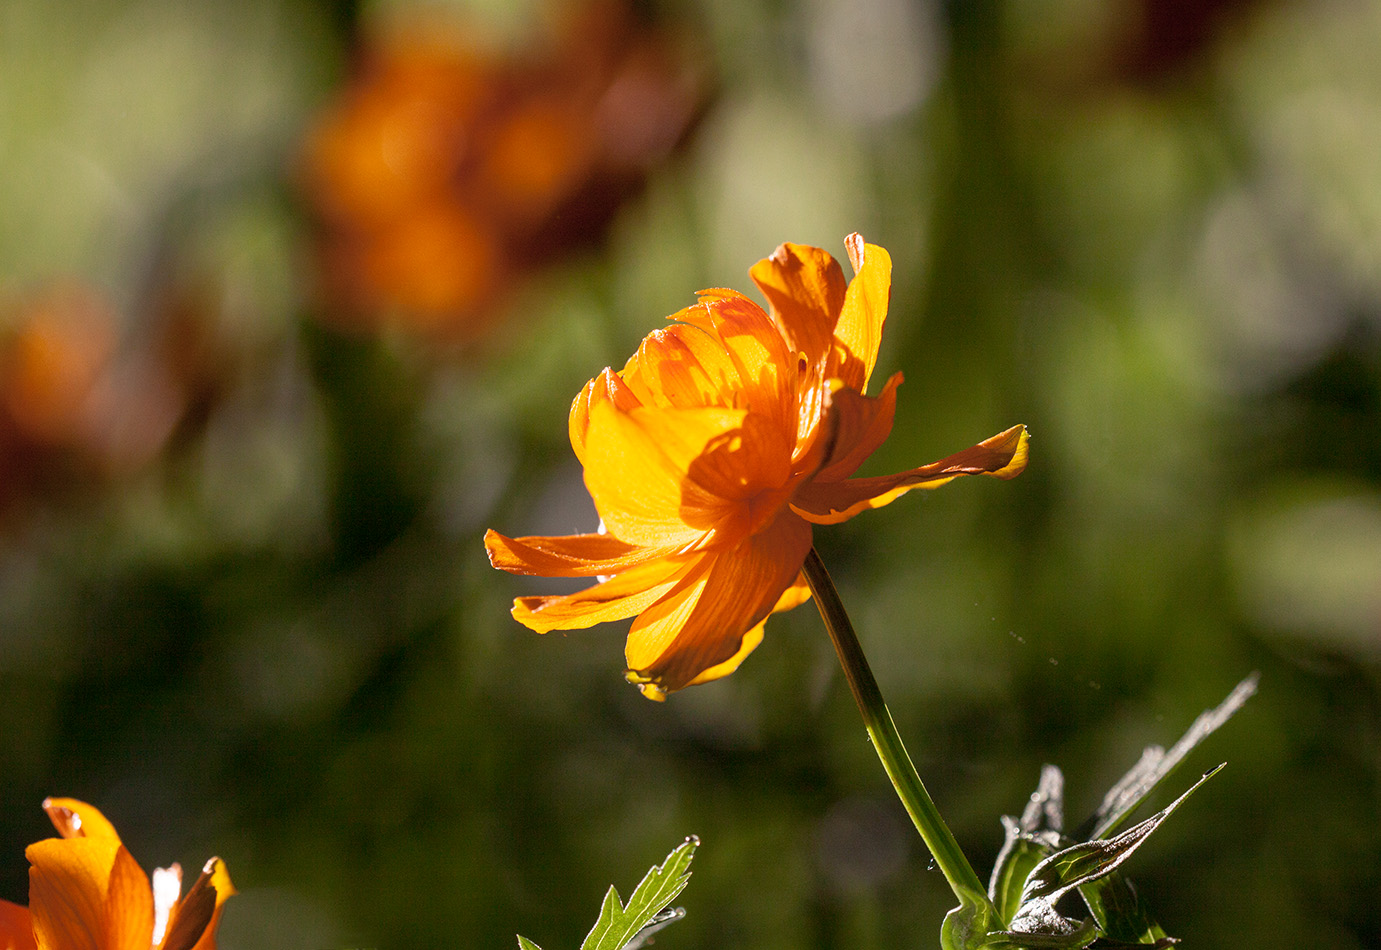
(618, 598)
(16, 928)
(858, 334)
(76, 819)
(761, 357)
(805, 288)
(192, 923)
(1002, 456)
(861, 424)
(576, 555)
(682, 367)
(701, 623)
(607, 387)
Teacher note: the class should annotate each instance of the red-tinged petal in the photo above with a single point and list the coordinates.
(77, 819)
(806, 289)
(16, 928)
(637, 468)
(192, 924)
(576, 555)
(623, 596)
(128, 905)
(1002, 456)
(858, 334)
(861, 424)
(702, 622)
(220, 880)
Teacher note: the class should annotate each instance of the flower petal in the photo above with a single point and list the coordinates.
(76, 819)
(620, 597)
(192, 925)
(806, 289)
(682, 367)
(88, 894)
(607, 387)
(16, 928)
(794, 596)
(858, 334)
(766, 365)
(861, 424)
(702, 623)
(1002, 456)
(219, 878)
(129, 909)
(637, 471)
(576, 555)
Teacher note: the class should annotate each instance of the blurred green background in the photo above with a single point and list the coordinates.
(244, 606)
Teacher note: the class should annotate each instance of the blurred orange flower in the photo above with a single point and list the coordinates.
(87, 893)
(712, 453)
(445, 170)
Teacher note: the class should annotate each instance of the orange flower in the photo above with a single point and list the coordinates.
(712, 453)
(87, 893)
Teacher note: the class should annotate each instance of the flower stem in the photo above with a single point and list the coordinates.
(883, 732)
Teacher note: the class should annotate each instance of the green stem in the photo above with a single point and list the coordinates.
(878, 721)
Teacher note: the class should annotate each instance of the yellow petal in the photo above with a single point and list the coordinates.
(858, 334)
(576, 555)
(16, 928)
(766, 366)
(88, 894)
(701, 624)
(823, 502)
(607, 387)
(682, 367)
(76, 819)
(805, 287)
(618, 598)
(637, 471)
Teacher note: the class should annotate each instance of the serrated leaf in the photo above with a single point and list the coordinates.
(526, 944)
(1156, 764)
(619, 924)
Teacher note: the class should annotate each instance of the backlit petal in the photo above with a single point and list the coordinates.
(858, 334)
(637, 471)
(129, 905)
(77, 819)
(861, 424)
(576, 555)
(821, 502)
(607, 387)
(220, 880)
(683, 367)
(194, 920)
(805, 288)
(702, 622)
(16, 928)
(618, 598)
(68, 880)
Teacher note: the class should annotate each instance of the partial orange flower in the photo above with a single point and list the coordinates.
(446, 171)
(87, 893)
(714, 451)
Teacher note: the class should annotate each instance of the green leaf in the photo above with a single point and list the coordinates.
(625, 926)
(1156, 764)
(526, 944)
(1120, 911)
(1077, 867)
(1030, 840)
